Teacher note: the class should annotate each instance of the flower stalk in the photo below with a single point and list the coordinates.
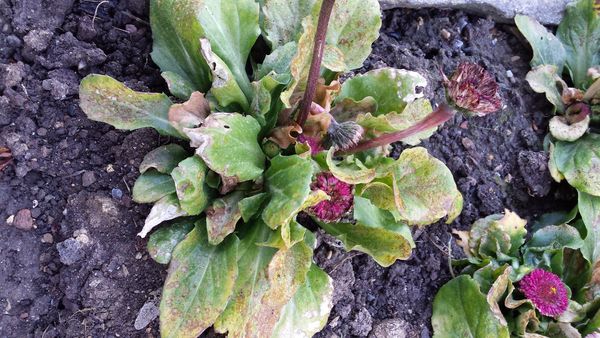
(315, 65)
(442, 114)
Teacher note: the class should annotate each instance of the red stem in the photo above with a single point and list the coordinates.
(442, 114)
(315, 65)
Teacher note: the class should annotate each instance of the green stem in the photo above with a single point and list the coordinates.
(442, 114)
(315, 65)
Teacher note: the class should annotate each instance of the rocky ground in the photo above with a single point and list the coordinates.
(70, 262)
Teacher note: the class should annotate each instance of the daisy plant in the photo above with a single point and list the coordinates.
(566, 68)
(511, 286)
(262, 130)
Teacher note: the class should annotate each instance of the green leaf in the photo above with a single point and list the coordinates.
(178, 85)
(579, 32)
(162, 242)
(164, 158)
(424, 188)
(380, 194)
(200, 281)
(307, 313)
(497, 235)
(227, 142)
(461, 310)
(392, 89)
(547, 48)
(288, 183)
(189, 177)
(266, 105)
(279, 60)
(413, 113)
(152, 186)
(224, 88)
(543, 79)
(249, 206)
(287, 272)
(353, 27)
(107, 100)
(176, 34)
(222, 216)
(555, 237)
(354, 171)
(376, 233)
(282, 19)
(252, 282)
(300, 64)
(579, 162)
(589, 208)
(167, 208)
(232, 29)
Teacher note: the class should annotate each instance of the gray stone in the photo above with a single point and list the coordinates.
(362, 323)
(147, 314)
(88, 178)
(390, 328)
(12, 74)
(545, 11)
(38, 39)
(61, 83)
(70, 251)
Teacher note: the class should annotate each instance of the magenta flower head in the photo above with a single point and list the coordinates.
(471, 88)
(312, 142)
(546, 291)
(340, 198)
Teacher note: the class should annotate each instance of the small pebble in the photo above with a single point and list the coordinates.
(445, 34)
(116, 193)
(138, 255)
(48, 238)
(109, 168)
(88, 178)
(23, 220)
(468, 143)
(511, 76)
(515, 58)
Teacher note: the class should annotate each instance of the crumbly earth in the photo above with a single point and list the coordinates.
(78, 268)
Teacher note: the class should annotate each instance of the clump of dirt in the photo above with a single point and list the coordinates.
(71, 264)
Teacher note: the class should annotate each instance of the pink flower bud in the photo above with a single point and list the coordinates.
(340, 198)
(473, 89)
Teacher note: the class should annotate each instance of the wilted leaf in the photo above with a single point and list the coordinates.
(232, 28)
(527, 319)
(164, 159)
(287, 272)
(162, 242)
(189, 114)
(167, 208)
(353, 27)
(178, 85)
(543, 79)
(288, 184)
(353, 171)
(579, 32)
(424, 188)
(192, 191)
(579, 162)
(282, 21)
(224, 88)
(178, 18)
(461, 310)
(589, 208)
(562, 130)
(200, 281)
(376, 233)
(392, 89)
(547, 48)
(307, 313)
(227, 142)
(251, 283)
(5, 157)
(152, 186)
(107, 100)
(496, 292)
(222, 216)
(300, 64)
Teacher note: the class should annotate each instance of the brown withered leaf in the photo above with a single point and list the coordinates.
(222, 216)
(571, 95)
(325, 93)
(191, 113)
(317, 125)
(5, 157)
(286, 135)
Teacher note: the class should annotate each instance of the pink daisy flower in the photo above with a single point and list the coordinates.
(546, 291)
(340, 194)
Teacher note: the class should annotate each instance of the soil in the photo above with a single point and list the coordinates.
(70, 262)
